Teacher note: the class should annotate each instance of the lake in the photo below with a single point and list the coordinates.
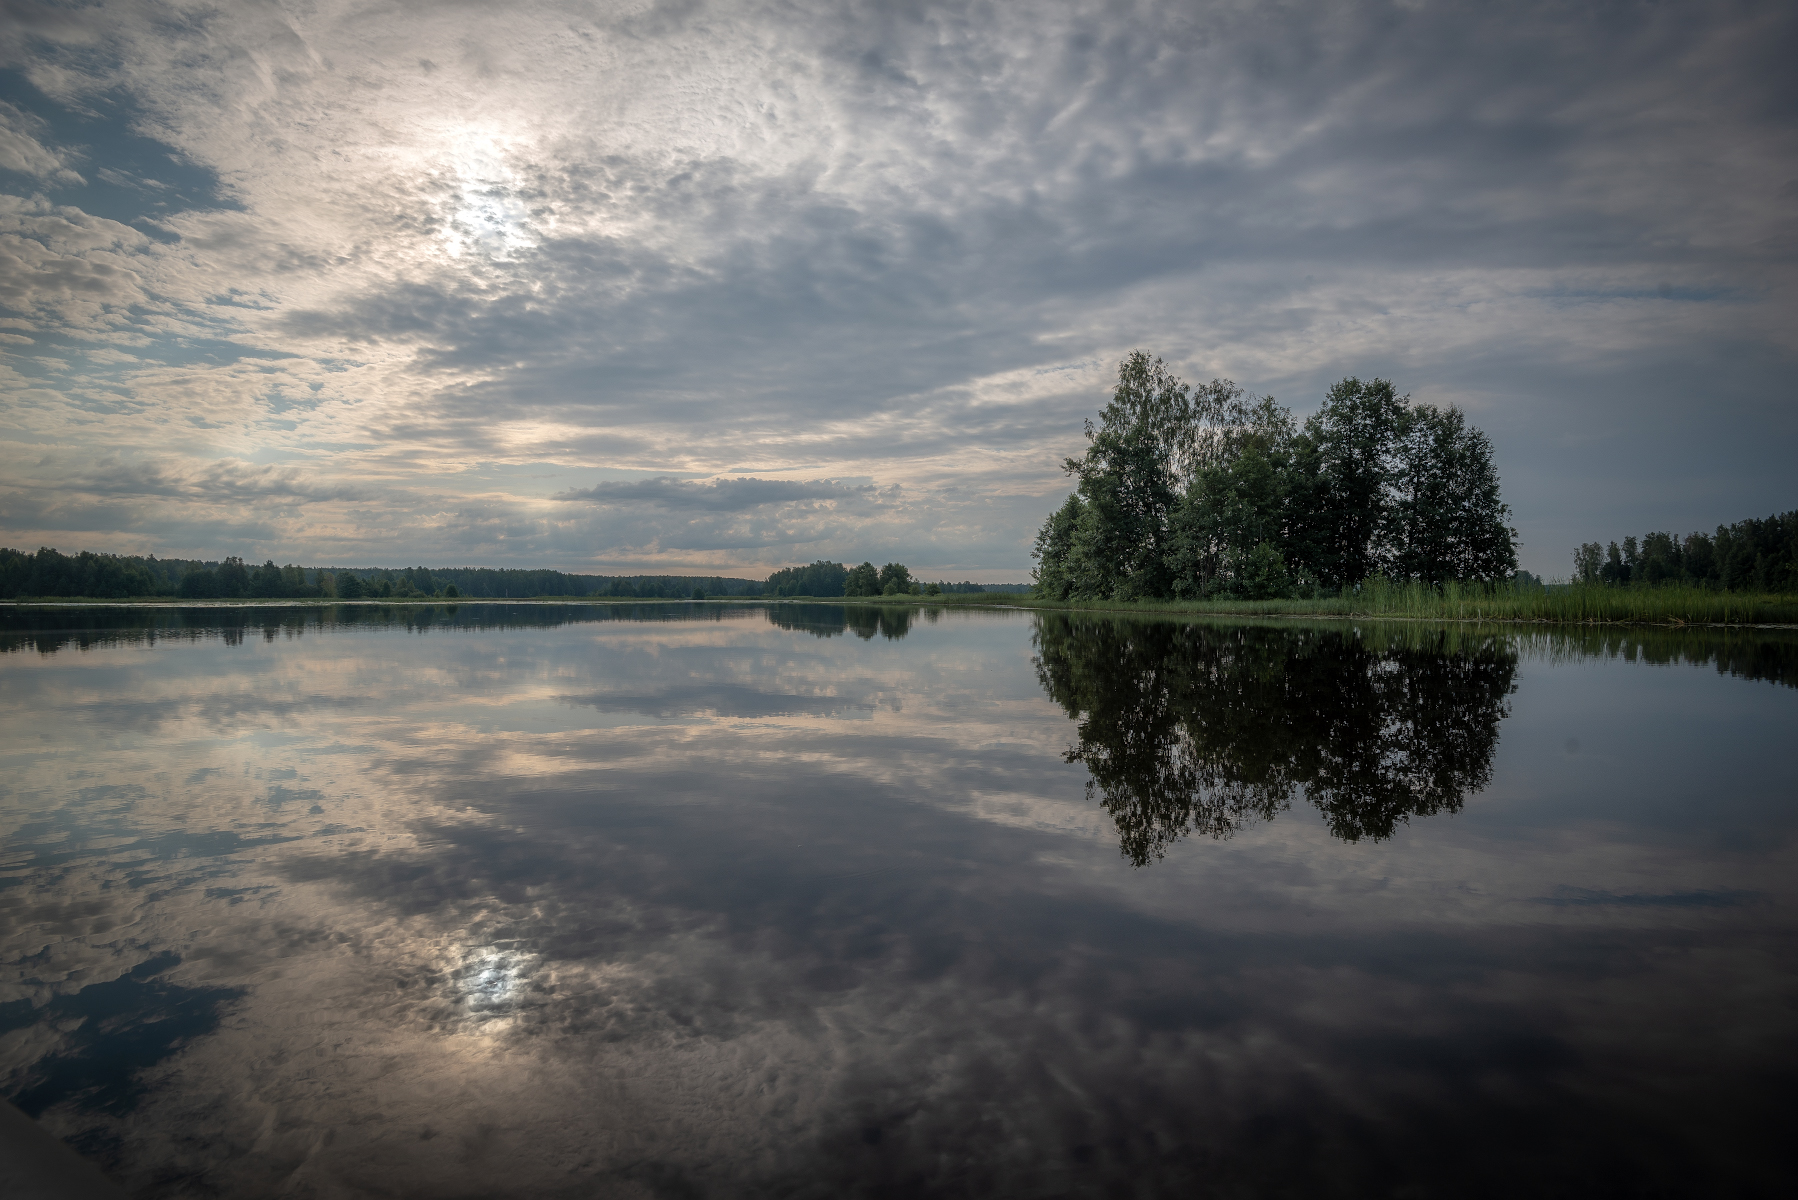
(718, 900)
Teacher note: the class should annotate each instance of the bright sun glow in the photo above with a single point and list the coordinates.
(486, 211)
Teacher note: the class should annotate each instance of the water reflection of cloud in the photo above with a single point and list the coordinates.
(490, 981)
(747, 956)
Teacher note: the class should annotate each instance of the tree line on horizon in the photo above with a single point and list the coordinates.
(116, 576)
(1206, 492)
(1751, 555)
(101, 576)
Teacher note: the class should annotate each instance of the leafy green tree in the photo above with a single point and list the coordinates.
(265, 581)
(1054, 544)
(862, 581)
(816, 579)
(1120, 541)
(1660, 559)
(1587, 561)
(1445, 519)
(1231, 509)
(1345, 462)
(1615, 570)
(1261, 574)
(895, 579)
(1127, 487)
(1699, 555)
(351, 586)
(234, 578)
(200, 585)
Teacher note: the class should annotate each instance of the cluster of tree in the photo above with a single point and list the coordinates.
(1751, 555)
(518, 583)
(233, 579)
(1188, 728)
(837, 579)
(413, 583)
(678, 587)
(1199, 492)
(48, 573)
(967, 588)
(817, 579)
(114, 576)
(118, 576)
(894, 579)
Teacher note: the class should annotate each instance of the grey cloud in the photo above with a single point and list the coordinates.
(887, 975)
(721, 495)
(830, 252)
(216, 483)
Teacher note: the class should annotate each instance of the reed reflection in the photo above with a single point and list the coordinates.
(1195, 728)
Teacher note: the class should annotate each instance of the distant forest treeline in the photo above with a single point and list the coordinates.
(1749, 556)
(120, 576)
(824, 579)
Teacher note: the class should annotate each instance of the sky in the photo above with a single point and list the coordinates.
(724, 287)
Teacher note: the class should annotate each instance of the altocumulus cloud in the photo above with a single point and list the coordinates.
(520, 283)
(722, 495)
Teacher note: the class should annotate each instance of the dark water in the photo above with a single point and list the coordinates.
(712, 901)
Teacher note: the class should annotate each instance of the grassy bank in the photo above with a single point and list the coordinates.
(1565, 605)
(1668, 606)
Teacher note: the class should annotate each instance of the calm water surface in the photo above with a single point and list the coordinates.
(713, 901)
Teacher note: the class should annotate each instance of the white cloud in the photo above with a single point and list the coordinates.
(867, 244)
(21, 152)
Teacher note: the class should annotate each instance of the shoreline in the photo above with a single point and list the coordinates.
(1589, 608)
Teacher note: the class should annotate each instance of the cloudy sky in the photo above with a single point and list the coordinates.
(726, 286)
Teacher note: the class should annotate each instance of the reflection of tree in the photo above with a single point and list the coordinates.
(50, 629)
(1196, 728)
(828, 620)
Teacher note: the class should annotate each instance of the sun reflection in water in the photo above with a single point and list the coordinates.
(491, 983)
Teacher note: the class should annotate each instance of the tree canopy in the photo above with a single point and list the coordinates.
(1203, 492)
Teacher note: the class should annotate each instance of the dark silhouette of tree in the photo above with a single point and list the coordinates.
(1752, 555)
